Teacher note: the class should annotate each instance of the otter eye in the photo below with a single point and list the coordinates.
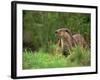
(66, 30)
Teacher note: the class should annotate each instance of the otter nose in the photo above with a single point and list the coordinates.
(56, 32)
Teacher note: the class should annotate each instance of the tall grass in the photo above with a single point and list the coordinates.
(40, 59)
(79, 57)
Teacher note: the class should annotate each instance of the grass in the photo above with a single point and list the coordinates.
(79, 57)
(40, 59)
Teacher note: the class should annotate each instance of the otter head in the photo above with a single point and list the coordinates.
(64, 39)
(61, 32)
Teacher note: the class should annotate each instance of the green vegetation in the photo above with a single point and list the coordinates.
(39, 39)
(39, 27)
(78, 57)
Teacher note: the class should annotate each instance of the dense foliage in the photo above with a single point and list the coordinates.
(39, 27)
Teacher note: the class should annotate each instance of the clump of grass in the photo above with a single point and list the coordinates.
(40, 59)
(79, 57)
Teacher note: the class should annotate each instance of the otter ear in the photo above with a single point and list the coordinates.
(67, 30)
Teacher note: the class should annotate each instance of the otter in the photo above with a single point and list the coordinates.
(66, 40)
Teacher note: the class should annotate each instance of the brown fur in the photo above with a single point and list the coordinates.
(66, 40)
(79, 40)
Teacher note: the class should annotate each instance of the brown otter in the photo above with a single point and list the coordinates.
(66, 40)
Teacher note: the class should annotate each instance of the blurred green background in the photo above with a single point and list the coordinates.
(39, 27)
